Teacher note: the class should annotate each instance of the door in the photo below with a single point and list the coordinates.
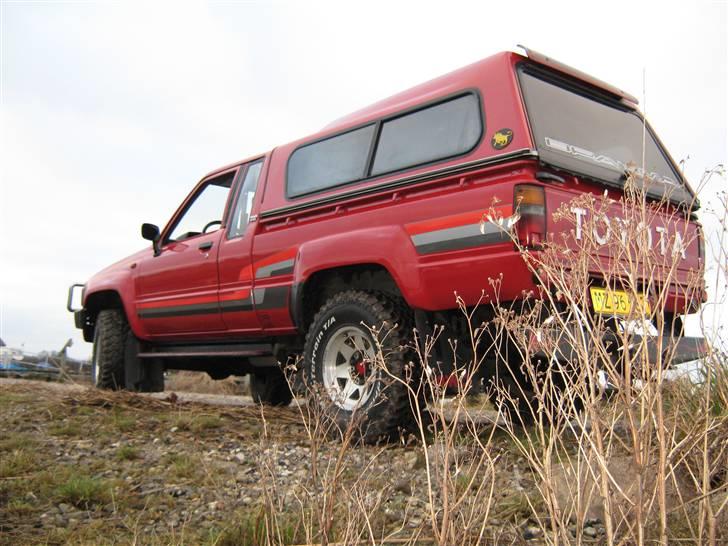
(177, 290)
(236, 279)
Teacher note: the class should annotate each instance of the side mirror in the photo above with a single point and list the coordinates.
(150, 232)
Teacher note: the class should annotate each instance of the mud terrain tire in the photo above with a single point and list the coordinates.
(115, 364)
(338, 340)
(107, 368)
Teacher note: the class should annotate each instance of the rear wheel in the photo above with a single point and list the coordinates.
(557, 395)
(270, 387)
(343, 363)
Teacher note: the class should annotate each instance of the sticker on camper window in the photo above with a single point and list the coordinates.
(501, 138)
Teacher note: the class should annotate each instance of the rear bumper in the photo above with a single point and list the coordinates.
(664, 350)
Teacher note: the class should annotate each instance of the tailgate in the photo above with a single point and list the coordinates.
(657, 243)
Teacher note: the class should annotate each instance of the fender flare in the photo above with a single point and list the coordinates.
(121, 284)
(360, 247)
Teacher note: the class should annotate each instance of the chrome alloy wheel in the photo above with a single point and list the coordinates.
(347, 367)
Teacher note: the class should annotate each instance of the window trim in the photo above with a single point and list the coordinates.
(192, 197)
(244, 168)
(375, 137)
(378, 123)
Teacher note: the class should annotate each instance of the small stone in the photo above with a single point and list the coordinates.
(411, 460)
(174, 429)
(531, 532)
(590, 532)
(392, 516)
(403, 486)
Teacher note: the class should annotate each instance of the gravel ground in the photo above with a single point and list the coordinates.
(85, 466)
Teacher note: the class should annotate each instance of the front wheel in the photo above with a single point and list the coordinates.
(115, 361)
(355, 363)
(107, 370)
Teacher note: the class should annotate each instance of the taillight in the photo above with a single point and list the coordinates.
(530, 203)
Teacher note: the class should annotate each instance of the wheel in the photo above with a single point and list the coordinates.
(341, 363)
(115, 364)
(269, 387)
(107, 369)
(513, 392)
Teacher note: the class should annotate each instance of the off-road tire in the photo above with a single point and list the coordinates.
(387, 410)
(513, 393)
(108, 350)
(115, 361)
(270, 387)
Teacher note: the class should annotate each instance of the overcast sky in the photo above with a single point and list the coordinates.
(112, 112)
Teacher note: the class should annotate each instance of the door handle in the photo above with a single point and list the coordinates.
(205, 246)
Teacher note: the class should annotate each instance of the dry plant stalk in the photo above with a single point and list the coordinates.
(584, 398)
(568, 354)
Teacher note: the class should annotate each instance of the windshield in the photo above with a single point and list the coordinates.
(584, 135)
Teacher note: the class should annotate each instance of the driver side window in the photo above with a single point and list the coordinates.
(204, 213)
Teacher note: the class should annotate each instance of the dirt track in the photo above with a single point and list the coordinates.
(181, 397)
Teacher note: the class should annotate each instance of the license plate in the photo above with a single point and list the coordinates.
(617, 302)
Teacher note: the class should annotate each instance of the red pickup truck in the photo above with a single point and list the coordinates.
(375, 219)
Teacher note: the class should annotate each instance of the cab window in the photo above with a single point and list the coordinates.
(244, 203)
(205, 213)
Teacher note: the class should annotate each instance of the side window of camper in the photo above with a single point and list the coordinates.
(330, 162)
(444, 130)
(424, 135)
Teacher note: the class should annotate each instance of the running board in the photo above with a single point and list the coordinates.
(202, 351)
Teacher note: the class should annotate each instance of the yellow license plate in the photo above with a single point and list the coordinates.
(617, 302)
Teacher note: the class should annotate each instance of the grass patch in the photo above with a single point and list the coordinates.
(257, 528)
(127, 453)
(9, 398)
(17, 440)
(19, 508)
(123, 422)
(182, 465)
(206, 422)
(66, 429)
(17, 463)
(196, 423)
(84, 491)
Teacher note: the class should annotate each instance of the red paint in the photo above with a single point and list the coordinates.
(372, 228)
(472, 217)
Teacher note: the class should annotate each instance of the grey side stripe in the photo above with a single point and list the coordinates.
(459, 237)
(236, 305)
(279, 268)
(270, 298)
(179, 310)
